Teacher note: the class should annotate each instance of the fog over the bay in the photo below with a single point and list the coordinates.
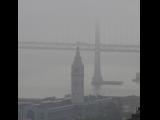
(43, 73)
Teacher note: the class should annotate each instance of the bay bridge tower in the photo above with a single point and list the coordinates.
(97, 78)
(77, 79)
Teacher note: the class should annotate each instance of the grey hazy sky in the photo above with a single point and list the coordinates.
(47, 73)
(73, 20)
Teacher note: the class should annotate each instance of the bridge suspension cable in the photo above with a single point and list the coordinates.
(83, 46)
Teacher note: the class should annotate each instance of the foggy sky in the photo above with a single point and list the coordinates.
(47, 73)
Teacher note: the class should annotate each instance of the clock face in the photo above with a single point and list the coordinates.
(77, 70)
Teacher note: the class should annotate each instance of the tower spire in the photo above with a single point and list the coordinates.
(77, 50)
(77, 58)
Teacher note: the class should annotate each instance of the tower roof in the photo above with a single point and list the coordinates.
(77, 51)
(77, 58)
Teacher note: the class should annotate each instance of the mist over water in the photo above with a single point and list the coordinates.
(44, 73)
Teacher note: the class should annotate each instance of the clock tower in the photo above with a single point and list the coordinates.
(77, 79)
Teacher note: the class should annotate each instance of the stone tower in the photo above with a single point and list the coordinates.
(77, 79)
